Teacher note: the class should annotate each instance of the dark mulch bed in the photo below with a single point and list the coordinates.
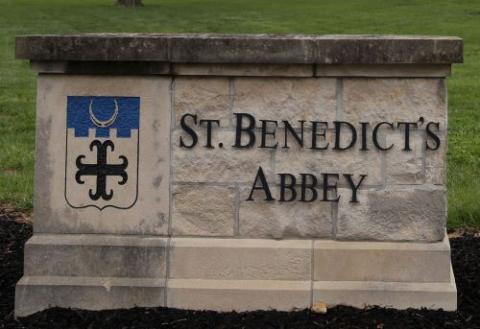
(14, 231)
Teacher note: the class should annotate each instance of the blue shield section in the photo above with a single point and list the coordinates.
(103, 108)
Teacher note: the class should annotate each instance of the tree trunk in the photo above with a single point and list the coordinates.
(130, 3)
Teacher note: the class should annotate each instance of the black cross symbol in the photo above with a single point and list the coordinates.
(101, 169)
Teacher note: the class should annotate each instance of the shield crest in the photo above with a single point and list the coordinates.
(102, 151)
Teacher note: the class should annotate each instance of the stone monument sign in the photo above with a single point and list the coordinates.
(239, 172)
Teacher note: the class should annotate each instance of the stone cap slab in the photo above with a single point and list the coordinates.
(246, 48)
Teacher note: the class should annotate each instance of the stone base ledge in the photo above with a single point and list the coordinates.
(37, 293)
(382, 261)
(240, 259)
(95, 271)
(95, 255)
(398, 295)
(238, 295)
(237, 259)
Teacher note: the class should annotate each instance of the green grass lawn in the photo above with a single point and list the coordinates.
(435, 17)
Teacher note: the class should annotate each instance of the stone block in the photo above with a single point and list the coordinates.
(382, 70)
(245, 70)
(149, 212)
(220, 164)
(95, 255)
(374, 100)
(417, 166)
(286, 98)
(436, 163)
(399, 295)
(209, 98)
(382, 261)
(36, 293)
(409, 213)
(240, 259)
(353, 161)
(238, 295)
(272, 219)
(405, 167)
(203, 210)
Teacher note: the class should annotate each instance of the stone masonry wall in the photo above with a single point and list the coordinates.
(195, 227)
(403, 196)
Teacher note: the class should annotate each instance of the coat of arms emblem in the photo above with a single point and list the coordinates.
(102, 151)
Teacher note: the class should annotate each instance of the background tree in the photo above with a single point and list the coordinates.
(130, 3)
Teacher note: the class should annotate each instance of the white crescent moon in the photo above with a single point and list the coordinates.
(104, 123)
